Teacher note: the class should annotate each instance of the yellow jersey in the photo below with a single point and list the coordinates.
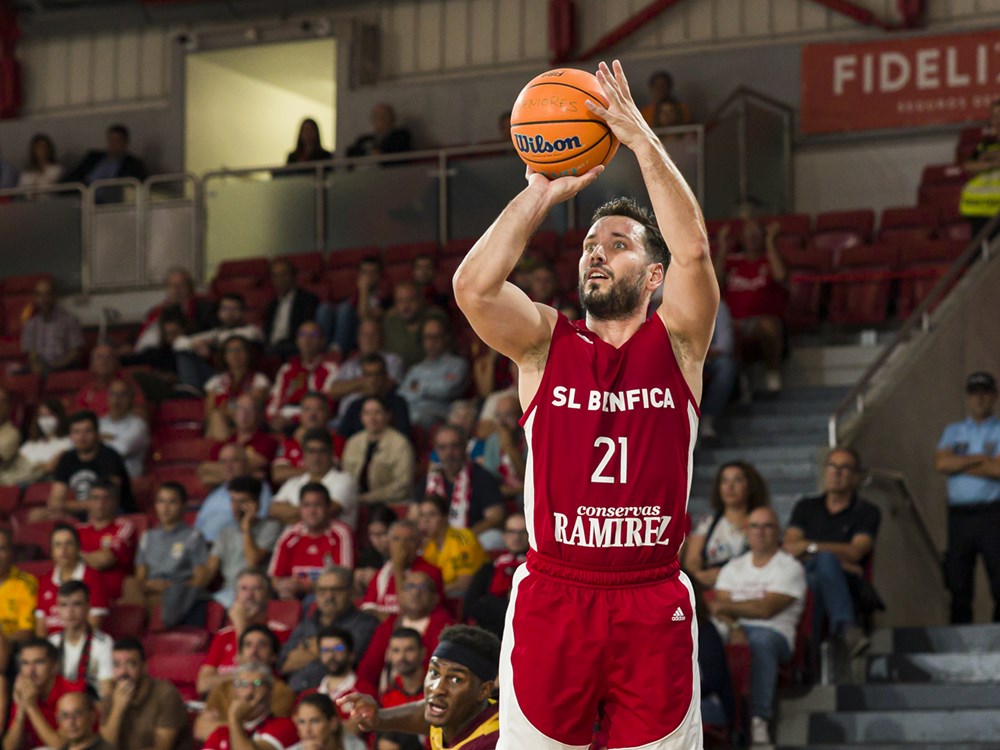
(460, 554)
(18, 599)
(481, 734)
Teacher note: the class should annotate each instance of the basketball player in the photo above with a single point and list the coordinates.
(601, 621)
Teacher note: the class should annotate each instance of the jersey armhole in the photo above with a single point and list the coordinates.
(561, 321)
(670, 348)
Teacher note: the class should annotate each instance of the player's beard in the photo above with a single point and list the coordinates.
(617, 303)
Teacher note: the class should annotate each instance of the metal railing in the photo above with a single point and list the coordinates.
(123, 234)
(918, 323)
(903, 492)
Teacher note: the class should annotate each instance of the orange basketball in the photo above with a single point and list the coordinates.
(552, 129)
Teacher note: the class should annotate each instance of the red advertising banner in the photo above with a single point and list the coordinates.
(899, 83)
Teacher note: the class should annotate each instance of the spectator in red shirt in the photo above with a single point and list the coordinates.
(751, 285)
(239, 377)
(67, 565)
(404, 544)
(298, 376)
(315, 415)
(250, 723)
(107, 543)
(105, 368)
(317, 542)
(37, 690)
(407, 656)
(253, 590)
(420, 609)
(260, 447)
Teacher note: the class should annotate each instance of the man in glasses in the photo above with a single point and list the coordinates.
(758, 601)
(969, 454)
(833, 534)
(334, 609)
(75, 713)
(336, 657)
(249, 721)
(258, 645)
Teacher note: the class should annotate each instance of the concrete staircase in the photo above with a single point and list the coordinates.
(919, 689)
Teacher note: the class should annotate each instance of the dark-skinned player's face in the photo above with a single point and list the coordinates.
(452, 693)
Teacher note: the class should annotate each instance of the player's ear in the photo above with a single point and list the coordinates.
(486, 689)
(655, 274)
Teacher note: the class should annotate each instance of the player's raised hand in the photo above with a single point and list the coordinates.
(363, 710)
(562, 188)
(621, 114)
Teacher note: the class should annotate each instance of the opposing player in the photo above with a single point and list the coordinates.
(600, 617)
(456, 710)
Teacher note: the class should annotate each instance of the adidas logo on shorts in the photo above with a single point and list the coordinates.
(678, 616)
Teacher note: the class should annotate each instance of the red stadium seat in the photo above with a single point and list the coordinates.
(176, 642)
(179, 668)
(172, 433)
(805, 300)
(308, 265)
(215, 618)
(860, 221)
(286, 611)
(319, 287)
(922, 279)
(24, 284)
(65, 383)
(398, 272)
(186, 476)
(942, 196)
(37, 533)
(544, 243)
(126, 620)
(861, 301)
(14, 312)
(791, 224)
(937, 174)
(350, 257)
(235, 285)
(407, 251)
(931, 251)
(36, 494)
(189, 452)
(26, 387)
(342, 282)
(811, 259)
(258, 268)
(142, 492)
(10, 499)
(907, 224)
(38, 568)
(834, 242)
(883, 254)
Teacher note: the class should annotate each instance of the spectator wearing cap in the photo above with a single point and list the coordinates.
(969, 455)
(51, 337)
(317, 445)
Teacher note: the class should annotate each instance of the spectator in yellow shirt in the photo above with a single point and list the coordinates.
(18, 598)
(456, 551)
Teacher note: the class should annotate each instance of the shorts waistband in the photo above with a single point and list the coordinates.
(600, 577)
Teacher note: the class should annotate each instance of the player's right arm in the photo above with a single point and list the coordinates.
(501, 314)
(364, 712)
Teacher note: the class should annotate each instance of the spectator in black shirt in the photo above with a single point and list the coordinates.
(115, 162)
(79, 469)
(833, 534)
(385, 137)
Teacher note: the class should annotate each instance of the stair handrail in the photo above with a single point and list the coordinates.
(897, 477)
(979, 246)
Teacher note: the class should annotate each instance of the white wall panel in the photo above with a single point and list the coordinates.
(129, 60)
(152, 73)
(80, 71)
(510, 31)
(104, 69)
(456, 35)
(536, 31)
(55, 85)
(483, 31)
(430, 20)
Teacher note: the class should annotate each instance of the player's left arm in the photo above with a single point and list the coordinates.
(690, 287)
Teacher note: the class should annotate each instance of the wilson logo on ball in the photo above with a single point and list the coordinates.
(538, 145)
(553, 130)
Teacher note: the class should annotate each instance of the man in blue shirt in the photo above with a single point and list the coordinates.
(969, 454)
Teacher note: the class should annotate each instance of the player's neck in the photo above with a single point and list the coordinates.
(617, 332)
(449, 733)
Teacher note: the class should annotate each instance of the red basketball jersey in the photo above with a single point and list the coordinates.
(611, 436)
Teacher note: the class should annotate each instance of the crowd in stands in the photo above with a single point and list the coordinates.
(303, 489)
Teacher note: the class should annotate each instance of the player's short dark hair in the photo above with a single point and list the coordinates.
(248, 484)
(51, 652)
(317, 435)
(177, 488)
(409, 633)
(758, 494)
(656, 246)
(133, 645)
(480, 641)
(69, 588)
(317, 487)
(268, 633)
(332, 631)
(84, 415)
(65, 527)
(321, 703)
(440, 503)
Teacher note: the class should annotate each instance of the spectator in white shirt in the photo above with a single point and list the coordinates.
(123, 429)
(317, 449)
